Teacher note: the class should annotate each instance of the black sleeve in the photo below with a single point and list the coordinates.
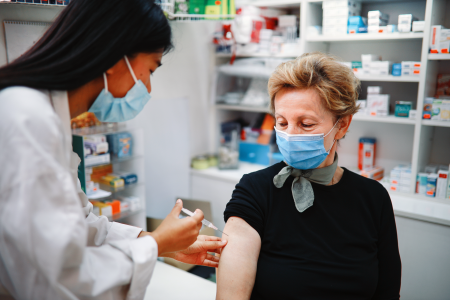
(245, 203)
(389, 263)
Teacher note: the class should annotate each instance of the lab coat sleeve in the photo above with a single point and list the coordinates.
(100, 230)
(43, 229)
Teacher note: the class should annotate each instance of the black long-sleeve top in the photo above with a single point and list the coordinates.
(343, 247)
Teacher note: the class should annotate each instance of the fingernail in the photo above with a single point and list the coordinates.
(223, 242)
(178, 201)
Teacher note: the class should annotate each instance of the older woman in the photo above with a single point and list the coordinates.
(306, 228)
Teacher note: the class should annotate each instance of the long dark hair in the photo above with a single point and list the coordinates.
(88, 38)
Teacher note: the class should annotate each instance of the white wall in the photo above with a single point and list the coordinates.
(175, 121)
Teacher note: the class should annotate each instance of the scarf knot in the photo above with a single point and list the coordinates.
(302, 190)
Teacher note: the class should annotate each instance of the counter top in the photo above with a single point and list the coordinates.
(170, 283)
(405, 205)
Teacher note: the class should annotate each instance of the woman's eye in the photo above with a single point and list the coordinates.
(307, 125)
(282, 124)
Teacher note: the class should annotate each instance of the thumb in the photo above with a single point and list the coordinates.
(177, 208)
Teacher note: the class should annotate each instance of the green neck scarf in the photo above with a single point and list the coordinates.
(302, 190)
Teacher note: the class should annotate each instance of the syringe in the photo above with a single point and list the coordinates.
(204, 221)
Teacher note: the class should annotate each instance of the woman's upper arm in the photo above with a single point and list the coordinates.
(237, 267)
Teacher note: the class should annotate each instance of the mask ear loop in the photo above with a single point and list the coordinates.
(106, 83)
(329, 133)
(131, 69)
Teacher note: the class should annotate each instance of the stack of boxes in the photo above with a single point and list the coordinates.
(440, 39)
(376, 19)
(405, 22)
(400, 179)
(410, 68)
(336, 14)
(357, 24)
(434, 182)
(366, 159)
(377, 103)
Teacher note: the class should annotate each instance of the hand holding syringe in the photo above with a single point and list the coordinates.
(204, 221)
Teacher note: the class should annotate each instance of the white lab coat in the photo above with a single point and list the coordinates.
(51, 244)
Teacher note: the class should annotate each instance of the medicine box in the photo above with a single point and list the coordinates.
(431, 185)
(340, 3)
(287, 21)
(355, 29)
(334, 30)
(342, 11)
(435, 38)
(396, 69)
(418, 26)
(405, 22)
(427, 107)
(356, 66)
(254, 153)
(376, 22)
(377, 15)
(374, 90)
(362, 107)
(378, 105)
(421, 185)
(402, 108)
(444, 43)
(441, 185)
(357, 21)
(335, 22)
(366, 154)
(440, 110)
(376, 173)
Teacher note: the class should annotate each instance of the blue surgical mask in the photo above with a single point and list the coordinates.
(303, 151)
(107, 108)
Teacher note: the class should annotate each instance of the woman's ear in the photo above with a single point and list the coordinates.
(343, 125)
(117, 68)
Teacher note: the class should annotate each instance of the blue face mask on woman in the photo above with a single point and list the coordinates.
(107, 108)
(303, 151)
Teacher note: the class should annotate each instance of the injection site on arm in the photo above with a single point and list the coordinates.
(238, 261)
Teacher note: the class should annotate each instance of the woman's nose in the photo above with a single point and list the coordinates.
(293, 130)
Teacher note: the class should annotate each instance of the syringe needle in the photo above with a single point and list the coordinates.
(222, 232)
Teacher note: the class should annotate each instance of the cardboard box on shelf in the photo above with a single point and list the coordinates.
(418, 26)
(340, 3)
(405, 22)
(377, 15)
(442, 183)
(378, 105)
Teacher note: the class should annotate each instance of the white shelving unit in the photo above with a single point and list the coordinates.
(438, 56)
(133, 163)
(365, 37)
(400, 140)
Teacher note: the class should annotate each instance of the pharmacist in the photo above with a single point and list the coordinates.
(97, 56)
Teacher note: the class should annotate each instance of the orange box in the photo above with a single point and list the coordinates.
(115, 206)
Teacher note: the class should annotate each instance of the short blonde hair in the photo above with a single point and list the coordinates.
(335, 83)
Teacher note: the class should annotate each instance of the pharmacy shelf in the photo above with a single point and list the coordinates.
(365, 37)
(248, 71)
(34, 4)
(119, 189)
(242, 108)
(386, 119)
(436, 123)
(420, 207)
(277, 3)
(124, 215)
(408, 205)
(280, 55)
(439, 56)
(388, 78)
